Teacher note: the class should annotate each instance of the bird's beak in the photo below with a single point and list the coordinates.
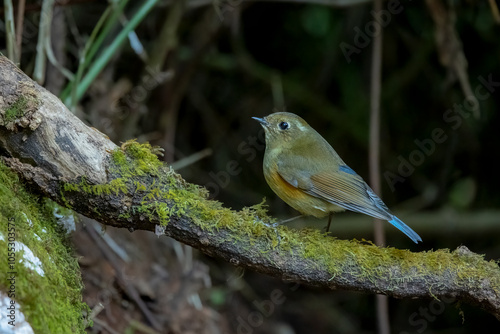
(262, 121)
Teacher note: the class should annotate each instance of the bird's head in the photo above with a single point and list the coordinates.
(284, 128)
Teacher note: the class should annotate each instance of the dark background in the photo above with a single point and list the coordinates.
(250, 58)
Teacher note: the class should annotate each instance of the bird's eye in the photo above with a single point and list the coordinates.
(284, 125)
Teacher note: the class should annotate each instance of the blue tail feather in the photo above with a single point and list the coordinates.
(395, 221)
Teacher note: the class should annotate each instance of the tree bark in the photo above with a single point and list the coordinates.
(49, 148)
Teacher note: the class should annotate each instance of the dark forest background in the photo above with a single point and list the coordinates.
(190, 78)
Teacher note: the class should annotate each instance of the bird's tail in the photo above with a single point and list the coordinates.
(395, 221)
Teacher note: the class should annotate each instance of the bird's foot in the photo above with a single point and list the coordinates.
(274, 226)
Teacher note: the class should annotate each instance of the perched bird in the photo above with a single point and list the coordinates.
(306, 172)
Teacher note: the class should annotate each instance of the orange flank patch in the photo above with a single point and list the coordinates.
(298, 199)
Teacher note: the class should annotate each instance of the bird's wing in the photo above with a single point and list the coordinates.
(340, 186)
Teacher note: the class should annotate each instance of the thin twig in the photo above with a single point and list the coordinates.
(129, 289)
(374, 145)
(450, 49)
(19, 29)
(374, 157)
(191, 159)
(43, 39)
(277, 89)
(105, 326)
(494, 10)
(10, 31)
(141, 327)
(168, 121)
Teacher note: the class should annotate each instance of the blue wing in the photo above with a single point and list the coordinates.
(346, 189)
(395, 221)
(349, 191)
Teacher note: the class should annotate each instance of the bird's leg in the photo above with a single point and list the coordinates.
(288, 220)
(329, 222)
(275, 225)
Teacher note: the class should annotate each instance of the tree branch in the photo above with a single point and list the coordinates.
(128, 187)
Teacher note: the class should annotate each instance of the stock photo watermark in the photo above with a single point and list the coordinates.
(420, 320)
(247, 148)
(223, 6)
(138, 94)
(363, 37)
(135, 98)
(453, 118)
(263, 310)
(11, 274)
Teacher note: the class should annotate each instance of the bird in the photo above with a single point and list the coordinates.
(304, 170)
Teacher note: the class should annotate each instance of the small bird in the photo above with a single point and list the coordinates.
(306, 172)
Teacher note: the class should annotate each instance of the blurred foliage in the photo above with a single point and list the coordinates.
(206, 69)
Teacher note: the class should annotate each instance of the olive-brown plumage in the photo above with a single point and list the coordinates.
(303, 169)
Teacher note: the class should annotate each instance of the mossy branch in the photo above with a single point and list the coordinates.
(129, 187)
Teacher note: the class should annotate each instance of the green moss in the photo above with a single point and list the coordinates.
(114, 187)
(16, 110)
(134, 159)
(51, 303)
(366, 261)
(166, 194)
